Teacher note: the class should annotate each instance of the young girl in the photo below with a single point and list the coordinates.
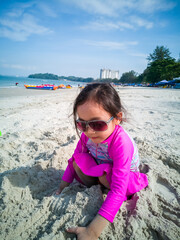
(105, 154)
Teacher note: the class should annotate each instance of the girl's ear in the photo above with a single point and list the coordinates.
(118, 118)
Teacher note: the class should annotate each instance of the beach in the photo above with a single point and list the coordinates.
(37, 139)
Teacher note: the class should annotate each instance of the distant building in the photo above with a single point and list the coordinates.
(107, 73)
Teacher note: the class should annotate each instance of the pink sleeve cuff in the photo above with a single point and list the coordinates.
(69, 173)
(106, 215)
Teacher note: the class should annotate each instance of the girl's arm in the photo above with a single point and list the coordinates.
(93, 231)
(121, 151)
(63, 184)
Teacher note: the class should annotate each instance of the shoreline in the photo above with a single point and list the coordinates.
(13, 92)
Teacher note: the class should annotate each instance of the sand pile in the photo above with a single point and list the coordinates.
(37, 140)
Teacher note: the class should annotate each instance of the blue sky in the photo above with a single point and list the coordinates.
(79, 37)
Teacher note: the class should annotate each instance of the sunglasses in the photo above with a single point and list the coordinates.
(95, 125)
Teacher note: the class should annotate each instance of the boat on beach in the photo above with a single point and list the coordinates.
(62, 86)
(42, 87)
(69, 86)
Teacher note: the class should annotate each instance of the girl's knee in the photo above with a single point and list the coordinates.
(103, 180)
(75, 166)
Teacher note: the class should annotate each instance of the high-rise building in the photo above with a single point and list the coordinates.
(107, 73)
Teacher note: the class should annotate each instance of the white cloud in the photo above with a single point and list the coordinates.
(125, 25)
(136, 54)
(17, 9)
(111, 45)
(132, 23)
(122, 15)
(103, 25)
(19, 22)
(95, 6)
(19, 29)
(140, 22)
(46, 9)
(150, 6)
(18, 66)
(33, 7)
(15, 13)
(116, 7)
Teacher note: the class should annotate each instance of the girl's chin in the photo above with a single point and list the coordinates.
(96, 140)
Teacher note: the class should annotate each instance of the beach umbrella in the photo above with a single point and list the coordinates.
(172, 82)
(163, 82)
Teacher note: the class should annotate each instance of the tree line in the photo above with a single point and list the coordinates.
(160, 66)
(56, 77)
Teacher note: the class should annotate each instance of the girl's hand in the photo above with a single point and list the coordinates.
(83, 233)
(63, 184)
(93, 231)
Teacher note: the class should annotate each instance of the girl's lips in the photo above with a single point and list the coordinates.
(93, 137)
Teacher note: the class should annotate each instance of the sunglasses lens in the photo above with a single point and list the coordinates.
(94, 125)
(81, 126)
(98, 126)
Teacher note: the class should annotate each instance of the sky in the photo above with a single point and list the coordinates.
(80, 37)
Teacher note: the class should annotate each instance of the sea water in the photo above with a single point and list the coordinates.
(19, 82)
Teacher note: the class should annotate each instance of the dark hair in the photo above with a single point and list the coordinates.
(102, 93)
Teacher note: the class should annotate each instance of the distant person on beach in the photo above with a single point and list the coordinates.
(105, 154)
(16, 83)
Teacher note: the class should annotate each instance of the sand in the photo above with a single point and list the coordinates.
(38, 137)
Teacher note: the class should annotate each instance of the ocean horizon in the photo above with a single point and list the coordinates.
(10, 82)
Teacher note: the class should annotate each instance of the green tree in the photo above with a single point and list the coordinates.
(161, 66)
(171, 71)
(178, 59)
(142, 78)
(129, 77)
(162, 69)
(43, 76)
(160, 53)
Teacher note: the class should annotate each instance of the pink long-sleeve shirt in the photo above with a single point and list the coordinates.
(120, 152)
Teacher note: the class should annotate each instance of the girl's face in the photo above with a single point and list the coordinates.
(89, 111)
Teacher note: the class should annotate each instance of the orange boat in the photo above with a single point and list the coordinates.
(61, 86)
(68, 86)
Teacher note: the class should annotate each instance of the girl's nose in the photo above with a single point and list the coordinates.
(89, 129)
